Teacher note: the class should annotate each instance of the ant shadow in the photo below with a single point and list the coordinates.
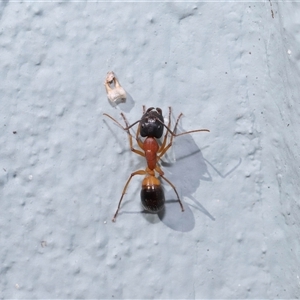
(185, 166)
(186, 173)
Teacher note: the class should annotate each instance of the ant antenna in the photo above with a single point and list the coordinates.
(124, 128)
(183, 133)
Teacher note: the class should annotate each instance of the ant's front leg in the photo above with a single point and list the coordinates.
(162, 147)
(186, 132)
(173, 134)
(137, 138)
(128, 132)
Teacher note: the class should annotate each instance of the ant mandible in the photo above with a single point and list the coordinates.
(151, 127)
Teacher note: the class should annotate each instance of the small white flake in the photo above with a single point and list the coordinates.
(115, 93)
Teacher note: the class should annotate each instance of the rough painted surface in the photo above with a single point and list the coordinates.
(230, 67)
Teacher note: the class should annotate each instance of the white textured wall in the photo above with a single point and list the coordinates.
(230, 67)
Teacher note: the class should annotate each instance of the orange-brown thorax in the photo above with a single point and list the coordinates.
(151, 147)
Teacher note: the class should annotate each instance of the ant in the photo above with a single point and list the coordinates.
(151, 127)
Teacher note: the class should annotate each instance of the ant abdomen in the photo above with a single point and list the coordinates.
(153, 198)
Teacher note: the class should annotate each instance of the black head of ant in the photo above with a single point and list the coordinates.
(152, 123)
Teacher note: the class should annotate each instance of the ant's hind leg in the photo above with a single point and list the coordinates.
(139, 172)
(174, 188)
(161, 173)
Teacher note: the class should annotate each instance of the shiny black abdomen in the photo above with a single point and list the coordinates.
(153, 198)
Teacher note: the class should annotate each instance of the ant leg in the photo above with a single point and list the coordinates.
(173, 134)
(130, 139)
(161, 173)
(144, 109)
(174, 188)
(129, 134)
(163, 150)
(140, 143)
(186, 132)
(139, 172)
(166, 135)
(127, 129)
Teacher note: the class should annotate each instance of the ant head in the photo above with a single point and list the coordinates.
(152, 123)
